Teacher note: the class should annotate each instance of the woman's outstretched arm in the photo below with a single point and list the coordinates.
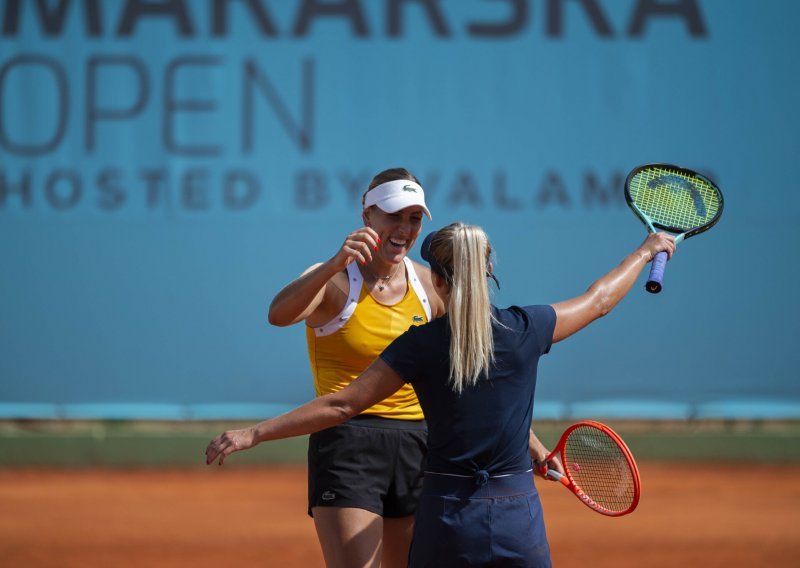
(601, 297)
(376, 383)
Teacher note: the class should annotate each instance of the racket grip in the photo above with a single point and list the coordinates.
(553, 474)
(653, 284)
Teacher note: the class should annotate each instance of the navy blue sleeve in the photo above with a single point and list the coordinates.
(543, 319)
(402, 355)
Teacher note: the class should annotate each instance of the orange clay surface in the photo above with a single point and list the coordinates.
(690, 515)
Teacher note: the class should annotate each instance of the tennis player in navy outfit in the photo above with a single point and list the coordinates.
(474, 371)
(478, 505)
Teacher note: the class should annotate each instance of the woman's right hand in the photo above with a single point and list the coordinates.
(358, 246)
(304, 295)
(656, 243)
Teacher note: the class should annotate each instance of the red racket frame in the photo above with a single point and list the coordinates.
(568, 481)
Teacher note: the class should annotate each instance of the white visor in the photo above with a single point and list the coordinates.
(393, 196)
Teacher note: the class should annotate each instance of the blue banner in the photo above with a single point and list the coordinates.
(167, 166)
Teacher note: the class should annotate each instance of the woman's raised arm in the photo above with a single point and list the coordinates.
(605, 293)
(298, 299)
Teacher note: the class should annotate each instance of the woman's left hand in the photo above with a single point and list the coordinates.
(553, 463)
(539, 458)
(228, 442)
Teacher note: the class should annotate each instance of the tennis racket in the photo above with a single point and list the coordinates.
(599, 468)
(672, 199)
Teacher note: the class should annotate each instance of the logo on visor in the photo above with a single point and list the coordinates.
(409, 188)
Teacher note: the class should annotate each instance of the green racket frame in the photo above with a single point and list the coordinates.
(673, 199)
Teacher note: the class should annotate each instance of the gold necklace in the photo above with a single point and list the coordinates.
(386, 279)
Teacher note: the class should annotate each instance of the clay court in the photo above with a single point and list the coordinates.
(694, 515)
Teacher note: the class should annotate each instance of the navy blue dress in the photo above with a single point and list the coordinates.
(479, 505)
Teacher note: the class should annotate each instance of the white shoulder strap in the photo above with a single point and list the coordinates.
(416, 285)
(354, 279)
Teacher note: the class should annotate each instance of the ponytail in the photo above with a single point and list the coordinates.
(460, 253)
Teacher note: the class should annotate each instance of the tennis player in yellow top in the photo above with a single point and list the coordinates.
(365, 476)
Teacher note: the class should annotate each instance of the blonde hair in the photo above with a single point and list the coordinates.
(462, 255)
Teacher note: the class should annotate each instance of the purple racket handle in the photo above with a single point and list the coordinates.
(656, 273)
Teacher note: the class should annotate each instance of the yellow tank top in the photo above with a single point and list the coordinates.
(341, 349)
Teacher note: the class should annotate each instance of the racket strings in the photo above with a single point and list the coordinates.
(600, 468)
(672, 198)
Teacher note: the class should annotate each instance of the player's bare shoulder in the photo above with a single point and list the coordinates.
(337, 282)
(339, 285)
(334, 297)
(437, 306)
